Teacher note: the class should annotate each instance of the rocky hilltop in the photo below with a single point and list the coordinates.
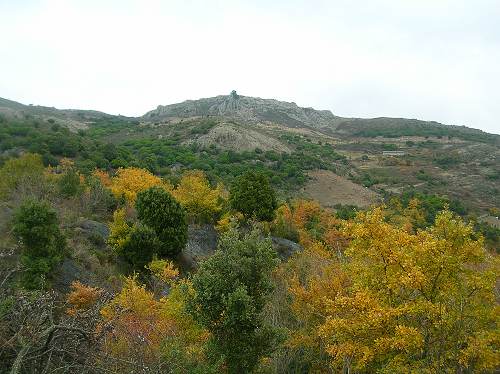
(253, 110)
(245, 109)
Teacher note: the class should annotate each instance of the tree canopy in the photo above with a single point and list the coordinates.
(252, 195)
(157, 209)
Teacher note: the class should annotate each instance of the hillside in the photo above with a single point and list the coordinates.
(227, 134)
(191, 242)
(73, 119)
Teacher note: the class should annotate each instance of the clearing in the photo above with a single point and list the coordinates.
(330, 189)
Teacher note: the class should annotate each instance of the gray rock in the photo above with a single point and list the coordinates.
(95, 228)
(285, 248)
(246, 109)
(66, 273)
(202, 242)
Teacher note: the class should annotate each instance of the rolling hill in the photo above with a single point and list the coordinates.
(226, 134)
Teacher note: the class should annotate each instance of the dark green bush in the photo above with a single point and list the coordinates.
(69, 184)
(157, 209)
(35, 224)
(252, 195)
(231, 289)
(140, 247)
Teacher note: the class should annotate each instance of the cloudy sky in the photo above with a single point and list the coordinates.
(426, 59)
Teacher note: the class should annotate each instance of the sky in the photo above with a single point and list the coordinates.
(426, 59)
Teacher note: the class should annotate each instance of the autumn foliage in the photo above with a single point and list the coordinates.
(129, 182)
(422, 302)
(382, 291)
(202, 202)
(81, 297)
(139, 326)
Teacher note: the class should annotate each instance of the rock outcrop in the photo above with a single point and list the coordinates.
(245, 109)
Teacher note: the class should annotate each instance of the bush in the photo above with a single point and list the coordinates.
(252, 195)
(345, 211)
(202, 202)
(98, 198)
(69, 184)
(157, 209)
(36, 225)
(140, 246)
(21, 172)
(283, 226)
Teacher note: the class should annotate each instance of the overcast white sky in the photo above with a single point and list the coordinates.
(427, 59)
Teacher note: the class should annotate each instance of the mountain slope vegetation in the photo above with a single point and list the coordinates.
(242, 235)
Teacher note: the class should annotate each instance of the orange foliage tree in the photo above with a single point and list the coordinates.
(102, 176)
(307, 222)
(81, 297)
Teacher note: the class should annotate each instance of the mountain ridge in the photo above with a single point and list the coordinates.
(255, 110)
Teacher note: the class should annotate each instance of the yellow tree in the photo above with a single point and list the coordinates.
(422, 302)
(119, 229)
(202, 202)
(143, 333)
(129, 182)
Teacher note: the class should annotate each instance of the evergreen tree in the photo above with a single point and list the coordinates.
(252, 195)
(36, 225)
(157, 209)
(230, 291)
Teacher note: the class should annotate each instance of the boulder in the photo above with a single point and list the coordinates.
(93, 228)
(66, 273)
(202, 242)
(285, 248)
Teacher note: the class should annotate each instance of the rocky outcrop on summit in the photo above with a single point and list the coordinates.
(245, 109)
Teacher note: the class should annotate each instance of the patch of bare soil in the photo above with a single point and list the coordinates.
(330, 189)
(240, 138)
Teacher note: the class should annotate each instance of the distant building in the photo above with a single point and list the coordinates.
(393, 153)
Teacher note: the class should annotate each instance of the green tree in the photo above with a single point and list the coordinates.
(140, 246)
(230, 290)
(35, 224)
(252, 195)
(69, 184)
(157, 209)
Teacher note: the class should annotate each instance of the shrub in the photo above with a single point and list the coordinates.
(118, 229)
(160, 211)
(20, 172)
(69, 184)
(283, 226)
(36, 225)
(252, 195)
(345, 211)
(128, 182)
(140, 246)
